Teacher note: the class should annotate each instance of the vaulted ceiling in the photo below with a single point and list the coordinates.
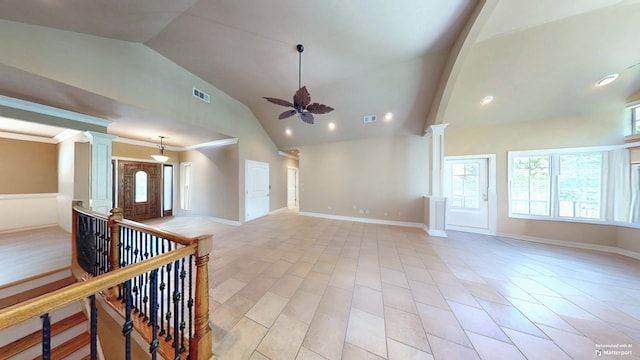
(424, 61)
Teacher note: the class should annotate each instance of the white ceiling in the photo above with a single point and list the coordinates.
(538, 58)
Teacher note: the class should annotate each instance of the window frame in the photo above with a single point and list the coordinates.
(635, 120)
(554, 169)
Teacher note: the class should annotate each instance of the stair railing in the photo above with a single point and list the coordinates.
(148, 271)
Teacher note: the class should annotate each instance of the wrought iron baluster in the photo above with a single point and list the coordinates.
(190, 302)
(183, 323)
(94, 327)
(96, 247)
(128, 323)
(162, 295)
(46, 337)
(153, 346)
(168, 314)
(176, 309)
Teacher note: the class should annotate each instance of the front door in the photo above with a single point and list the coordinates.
(469, 193)
(257, 189)
(139, 186)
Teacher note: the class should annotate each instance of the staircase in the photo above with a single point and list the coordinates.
(69, 336)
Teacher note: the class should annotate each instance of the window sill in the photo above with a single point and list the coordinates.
(577, 221)
(635, 138)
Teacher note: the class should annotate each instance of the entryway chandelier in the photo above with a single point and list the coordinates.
(162, 157)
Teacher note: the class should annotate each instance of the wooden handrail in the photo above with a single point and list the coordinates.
(171, 236)
(88, 212)
(19, 313)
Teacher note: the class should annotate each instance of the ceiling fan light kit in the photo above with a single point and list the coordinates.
(301, 99)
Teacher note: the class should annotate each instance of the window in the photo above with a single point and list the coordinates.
(141, 186)
(465, 186)
(580, 185)
(558, 184)
(530, 185)
(167, 189)
(635, 120)
(185, 186)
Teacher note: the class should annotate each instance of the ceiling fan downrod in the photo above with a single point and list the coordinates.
(300, 49)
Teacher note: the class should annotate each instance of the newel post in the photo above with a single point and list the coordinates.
(201, 346)
(114, 230)
(114, 243)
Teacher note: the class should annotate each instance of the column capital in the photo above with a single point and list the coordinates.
(98, 135)
(436, 129)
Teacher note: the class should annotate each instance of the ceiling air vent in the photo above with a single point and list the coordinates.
(368, 119)
(202, 95)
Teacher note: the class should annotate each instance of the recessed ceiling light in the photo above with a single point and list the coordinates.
(485, 100)
(388, 116)
(288, 132)
(607, 80)
(332, 126)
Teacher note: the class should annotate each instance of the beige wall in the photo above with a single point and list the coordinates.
(214, 183)
(382, 175)
(580, 131)
(141, 152)
(628, 239)
(28, 167)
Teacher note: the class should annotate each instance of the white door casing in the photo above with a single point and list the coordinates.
(292, 187)
(469, 185)
(256, 189)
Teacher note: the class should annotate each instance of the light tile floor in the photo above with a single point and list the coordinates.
(288, 286)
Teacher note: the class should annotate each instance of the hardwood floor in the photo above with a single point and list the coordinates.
(26, 254)
(292, 287)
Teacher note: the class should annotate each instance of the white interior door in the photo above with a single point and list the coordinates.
(256, 189)
(470, 192)
(292, 187)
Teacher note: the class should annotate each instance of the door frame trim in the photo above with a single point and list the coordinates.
(492, 198)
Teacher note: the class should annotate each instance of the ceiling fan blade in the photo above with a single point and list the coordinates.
(301, 98)
(279, 102)
(318, 108)
(287, 114)
(307, 117)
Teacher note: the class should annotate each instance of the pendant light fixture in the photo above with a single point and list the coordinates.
(160, 158)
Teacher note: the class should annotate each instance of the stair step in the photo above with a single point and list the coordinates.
(35, 338)
(34, 324)
(38, 291)
(69, 347)
(33, 282)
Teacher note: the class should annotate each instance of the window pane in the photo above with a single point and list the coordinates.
(168, 187)
(531, 185)
(465, 185)
(579, 185)
(185, 187)
(635, 113)
(141, 186)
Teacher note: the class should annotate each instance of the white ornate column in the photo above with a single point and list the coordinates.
(435, 203)
(100, 197)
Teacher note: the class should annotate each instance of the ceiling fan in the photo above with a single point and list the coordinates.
(301, 99)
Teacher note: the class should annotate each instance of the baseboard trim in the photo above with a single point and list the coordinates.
(435, 233)
(573, 244)
(363, 220)
(27, 228)
(278, 210)
(470, 230)
(213, 218)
